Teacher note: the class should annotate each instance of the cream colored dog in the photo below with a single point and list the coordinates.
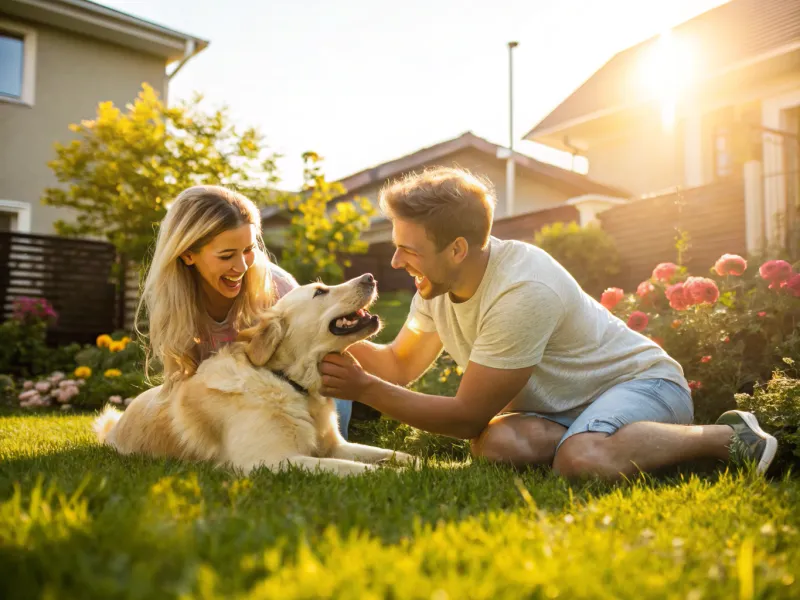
(256, 402)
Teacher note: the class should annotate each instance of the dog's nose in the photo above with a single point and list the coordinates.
(367, 279)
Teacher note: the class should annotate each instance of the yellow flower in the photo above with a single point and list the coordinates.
(104, 341)
(83, 372)
(117, 346)
(459, 371)
(126, 340)
(112, 373)
(447, 372)
(442, 379)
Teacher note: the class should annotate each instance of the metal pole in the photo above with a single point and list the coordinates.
(510, 176)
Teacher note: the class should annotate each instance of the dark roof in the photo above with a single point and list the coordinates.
(469, 140)
(720, 39)
(379, 174)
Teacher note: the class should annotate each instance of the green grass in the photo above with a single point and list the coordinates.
(78, 521)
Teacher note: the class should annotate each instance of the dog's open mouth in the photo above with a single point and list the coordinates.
(353, 323)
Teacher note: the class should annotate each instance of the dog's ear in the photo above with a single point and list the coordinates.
(262, 339)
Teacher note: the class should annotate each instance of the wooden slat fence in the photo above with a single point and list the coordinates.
(73, 275)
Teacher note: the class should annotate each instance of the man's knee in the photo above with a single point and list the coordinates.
(586, 455)
(519, 440)
(492, 444)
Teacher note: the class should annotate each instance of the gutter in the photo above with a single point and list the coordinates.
(189, 50)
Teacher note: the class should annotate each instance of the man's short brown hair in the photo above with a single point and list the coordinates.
(448, 202)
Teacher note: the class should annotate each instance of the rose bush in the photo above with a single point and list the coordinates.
(729, 329)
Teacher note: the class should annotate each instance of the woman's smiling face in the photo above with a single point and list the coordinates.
(223, 262)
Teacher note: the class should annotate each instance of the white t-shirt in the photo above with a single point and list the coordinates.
(529, 311)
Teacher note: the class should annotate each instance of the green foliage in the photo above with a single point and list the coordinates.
(24, 351)
(317, 236)
(777, 406)
(588, 253)
(125, 167)
(726, 347)
(80, 521)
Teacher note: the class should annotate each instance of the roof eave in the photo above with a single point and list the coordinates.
(107, 24)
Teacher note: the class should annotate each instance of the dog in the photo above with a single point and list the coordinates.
(256, 402)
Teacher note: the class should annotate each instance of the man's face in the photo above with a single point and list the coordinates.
(433, 270)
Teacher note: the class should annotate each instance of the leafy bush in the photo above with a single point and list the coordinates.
(588, 253)
(23, 340)
(729, 330)
(777, 406)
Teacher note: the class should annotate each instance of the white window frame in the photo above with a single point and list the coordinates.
(20, 214)
(28, 61)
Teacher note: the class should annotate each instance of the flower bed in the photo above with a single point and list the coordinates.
(729, 329)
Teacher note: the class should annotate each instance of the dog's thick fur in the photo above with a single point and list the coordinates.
(236, 411)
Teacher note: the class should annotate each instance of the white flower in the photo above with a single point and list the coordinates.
(569, 519)
(607, 520)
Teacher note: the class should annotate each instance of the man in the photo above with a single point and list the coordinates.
(550, 376)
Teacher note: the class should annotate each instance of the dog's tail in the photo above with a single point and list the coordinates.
(103, 424)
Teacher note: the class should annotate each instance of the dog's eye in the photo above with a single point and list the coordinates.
(320, 292)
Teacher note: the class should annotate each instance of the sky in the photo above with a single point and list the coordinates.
(361, 82)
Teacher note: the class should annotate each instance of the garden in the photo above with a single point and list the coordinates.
(77, 520)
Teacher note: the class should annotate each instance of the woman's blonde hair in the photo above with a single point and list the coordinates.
(171, 296)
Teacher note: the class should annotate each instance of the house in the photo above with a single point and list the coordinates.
(713, 104)
(541, 190)
(58, 60)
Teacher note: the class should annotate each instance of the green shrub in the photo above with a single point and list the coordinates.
(588, 253)
(777, 406)
(725, 346)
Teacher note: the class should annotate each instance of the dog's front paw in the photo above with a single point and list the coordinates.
(401, 458)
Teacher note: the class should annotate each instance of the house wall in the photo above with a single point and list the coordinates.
(73, 74)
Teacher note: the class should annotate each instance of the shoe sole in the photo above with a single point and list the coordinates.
(772, 444)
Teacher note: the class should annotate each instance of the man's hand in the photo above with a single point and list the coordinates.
(343, 377)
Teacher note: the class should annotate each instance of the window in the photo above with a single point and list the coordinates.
(11, 63)
(17, 63)
(15, 216)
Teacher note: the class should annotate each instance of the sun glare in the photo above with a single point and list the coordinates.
(666, 74)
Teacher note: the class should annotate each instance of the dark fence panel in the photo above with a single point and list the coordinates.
(523, 227)
(73, 275)
(645, 230)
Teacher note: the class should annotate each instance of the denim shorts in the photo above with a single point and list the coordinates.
(656, 400)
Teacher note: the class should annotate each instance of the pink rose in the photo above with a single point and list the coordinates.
(792, 285)
(702, 290)
(705, 359)
(28, 385)
(645, 288)
(664, 272)
(638, 320)
(695, 385)
(730, 264)
(42, 386)
(611, 297)
(679, 298)
(115, 399)
(775, 271)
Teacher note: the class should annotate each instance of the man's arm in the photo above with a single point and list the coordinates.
(484, 391)
(401, 361)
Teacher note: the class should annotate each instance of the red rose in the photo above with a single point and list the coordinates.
(638, 320)
(644, 289)
(705, 359)
(695, 385)
(792, 285)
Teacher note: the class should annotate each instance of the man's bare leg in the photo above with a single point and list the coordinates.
(642, 446)
(520, 440)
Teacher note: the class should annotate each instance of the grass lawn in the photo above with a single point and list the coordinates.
(78, 521)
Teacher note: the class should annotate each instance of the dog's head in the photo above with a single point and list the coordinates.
(308, 323)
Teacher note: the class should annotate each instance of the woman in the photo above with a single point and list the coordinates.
(209, 278)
